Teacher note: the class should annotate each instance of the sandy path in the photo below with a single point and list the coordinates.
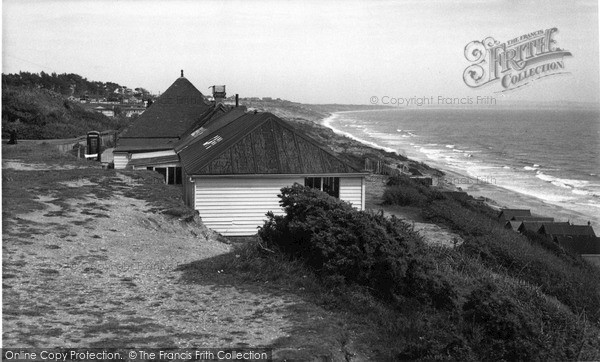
(431, 233)
(103, 273)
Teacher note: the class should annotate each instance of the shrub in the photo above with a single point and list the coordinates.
(339, 242)
(404, 191)
(398, 195)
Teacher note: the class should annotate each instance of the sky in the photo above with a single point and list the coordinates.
(309, 51)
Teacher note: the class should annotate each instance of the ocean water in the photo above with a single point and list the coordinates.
(550, 154)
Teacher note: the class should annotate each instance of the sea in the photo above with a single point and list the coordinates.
(550, 154)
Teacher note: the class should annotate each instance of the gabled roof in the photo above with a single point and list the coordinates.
(534, 226)
(515, 225)
(556, 229)
(175, 111)
(508, 214)
(257, 143)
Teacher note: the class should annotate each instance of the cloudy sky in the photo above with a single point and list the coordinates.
(309, 51)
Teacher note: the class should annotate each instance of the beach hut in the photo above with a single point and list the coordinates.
(234, 168)
(580, 244)
(534, 226)
(533, 218)
(508, 214)
(558, 229)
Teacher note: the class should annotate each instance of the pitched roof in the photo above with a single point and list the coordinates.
(515, 225)
(534, 226)
(508, 214)
(257, 143)
(215, 121)
(176, 110)
(560, 229)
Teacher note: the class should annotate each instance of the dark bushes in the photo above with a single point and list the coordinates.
(341, 243)
(404, 191)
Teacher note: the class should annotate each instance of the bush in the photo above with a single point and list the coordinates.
(351, 246)
(398, 195)
(404, 191)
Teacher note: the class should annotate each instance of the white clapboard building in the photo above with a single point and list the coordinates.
(232, 163)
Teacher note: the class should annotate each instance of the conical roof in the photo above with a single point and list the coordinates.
(174, 112)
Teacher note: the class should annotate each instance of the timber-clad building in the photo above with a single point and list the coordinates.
(231, 163)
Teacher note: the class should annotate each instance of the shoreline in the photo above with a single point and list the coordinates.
(496, 196)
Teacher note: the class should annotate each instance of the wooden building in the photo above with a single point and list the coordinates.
(149, 142)
(231, 163)
(509, 214)
(235, 167)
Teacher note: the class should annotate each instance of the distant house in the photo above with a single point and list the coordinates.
(130, 111)
(580, 244)
(534, 218)
(554, 230)
(150, 141)
(508, 214)
(105, 111)
(234, 169)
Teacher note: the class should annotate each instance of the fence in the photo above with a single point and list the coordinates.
(107, 137)
(382, 168)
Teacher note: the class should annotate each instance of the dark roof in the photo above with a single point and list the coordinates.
(534, 226)
(145, 144)
(175, 111)
(580, 244)
(533, 218)
(153, 161)
(560, 229)
(257, 143)
(508, 214)
(214, 121)
(515, 225)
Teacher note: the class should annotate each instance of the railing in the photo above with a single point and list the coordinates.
(382, 168)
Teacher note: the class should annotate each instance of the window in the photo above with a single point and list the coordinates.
(330, 185)
(172, 175)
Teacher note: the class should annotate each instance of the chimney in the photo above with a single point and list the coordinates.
(237, 100)
(218, 93)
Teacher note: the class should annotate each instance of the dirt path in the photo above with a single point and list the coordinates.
(431, 233)
(102, 272)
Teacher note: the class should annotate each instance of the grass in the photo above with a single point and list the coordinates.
(18, 187)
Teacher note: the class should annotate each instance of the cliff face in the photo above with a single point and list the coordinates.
(43, 114)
